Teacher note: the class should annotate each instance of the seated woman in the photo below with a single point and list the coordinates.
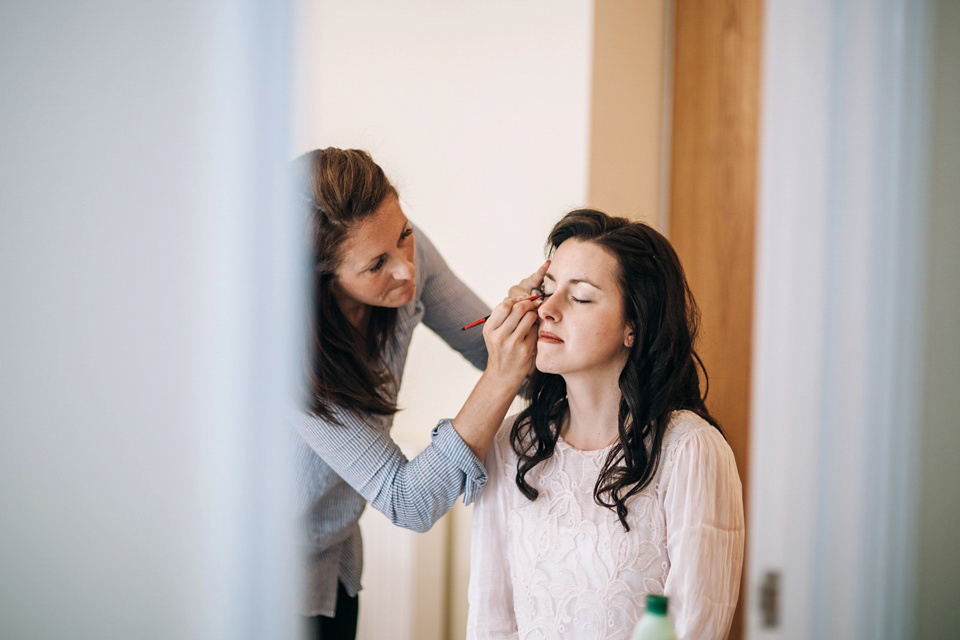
(615, 481)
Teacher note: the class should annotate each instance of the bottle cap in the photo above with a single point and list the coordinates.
(657, 604)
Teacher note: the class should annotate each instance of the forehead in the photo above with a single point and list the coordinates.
(375, 234)
(578, 260)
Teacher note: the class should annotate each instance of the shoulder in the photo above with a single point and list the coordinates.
(423, 248)
(428, 262)
(700, 475)
(691, 439)
(425, 267)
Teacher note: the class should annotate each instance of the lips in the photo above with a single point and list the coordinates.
(549, 338)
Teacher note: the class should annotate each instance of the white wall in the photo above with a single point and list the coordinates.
(479, 114)
(147, 280)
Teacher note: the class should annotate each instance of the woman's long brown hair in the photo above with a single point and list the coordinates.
(661, 374)
(345, 367)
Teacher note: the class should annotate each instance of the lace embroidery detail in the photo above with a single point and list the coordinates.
(575, 571)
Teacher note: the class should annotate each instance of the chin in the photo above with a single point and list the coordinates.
(400, 299)
(548, 367)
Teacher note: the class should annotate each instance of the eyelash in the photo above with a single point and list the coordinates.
(547, 295)
(403, 236)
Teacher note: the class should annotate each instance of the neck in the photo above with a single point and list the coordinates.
(593, 406)
(356, 313)
(358, 317)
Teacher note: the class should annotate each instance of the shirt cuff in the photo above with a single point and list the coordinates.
(448, 442)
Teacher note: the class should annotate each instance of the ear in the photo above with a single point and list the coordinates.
(628, 334)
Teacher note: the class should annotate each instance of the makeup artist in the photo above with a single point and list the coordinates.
(375, 278)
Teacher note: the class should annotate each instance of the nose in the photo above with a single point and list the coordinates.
(549, 309)
(403, 269)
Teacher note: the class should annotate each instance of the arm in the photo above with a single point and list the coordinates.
(412, 493)
(511, 337)
(449, 304)
(705, 533)
(504, 349)
(490, 592)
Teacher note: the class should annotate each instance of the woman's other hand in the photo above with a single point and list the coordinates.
(531, 284)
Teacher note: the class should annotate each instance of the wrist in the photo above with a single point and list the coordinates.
(505, 384)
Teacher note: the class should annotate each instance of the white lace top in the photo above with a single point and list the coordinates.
(562, 566)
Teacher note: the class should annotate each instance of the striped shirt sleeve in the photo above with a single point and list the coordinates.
(412, 493)
(450, 305)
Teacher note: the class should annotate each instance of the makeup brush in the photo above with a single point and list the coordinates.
(477, 323)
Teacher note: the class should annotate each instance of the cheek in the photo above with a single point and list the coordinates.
(608, 336)
(378, 285)
(362, 288)
(602, 344)
(351, 287)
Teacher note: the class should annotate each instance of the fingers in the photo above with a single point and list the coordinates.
(535, 279)
(498, 315)
(508, 314)
(531, 282)
(523, 341)
(527, 327)
(511, 338)
(530, 325)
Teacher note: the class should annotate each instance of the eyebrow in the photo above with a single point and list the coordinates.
(574, 281)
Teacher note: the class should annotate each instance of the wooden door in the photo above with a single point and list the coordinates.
(712, 197)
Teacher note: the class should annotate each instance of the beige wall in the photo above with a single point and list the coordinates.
(938, 566)
(627, 109)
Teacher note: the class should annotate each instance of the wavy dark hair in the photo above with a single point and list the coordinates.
(345, 367)
(660, 375)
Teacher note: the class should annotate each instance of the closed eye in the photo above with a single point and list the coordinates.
(546, 295)
(379, 265)
(383, 259)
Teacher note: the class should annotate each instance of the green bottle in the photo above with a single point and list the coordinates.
(654, 624)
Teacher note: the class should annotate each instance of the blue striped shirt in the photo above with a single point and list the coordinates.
(342, 467)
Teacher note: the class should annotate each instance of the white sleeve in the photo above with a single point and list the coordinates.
(705, 535)
(490, 592)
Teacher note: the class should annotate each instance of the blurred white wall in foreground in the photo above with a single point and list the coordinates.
(854, 437)
(148, 288)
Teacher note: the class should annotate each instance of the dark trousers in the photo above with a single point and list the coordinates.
(343, 624)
